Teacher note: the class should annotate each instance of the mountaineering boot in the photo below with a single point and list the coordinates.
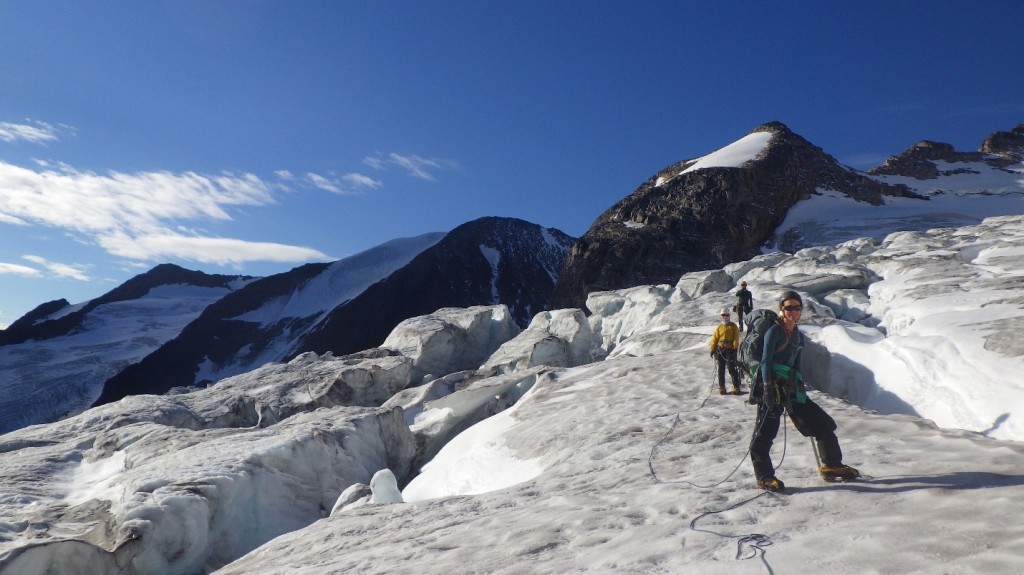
(771, 483)
(838, 473)
(735, 390)
(721, 390)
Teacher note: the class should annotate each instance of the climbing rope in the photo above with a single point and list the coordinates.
(755, 541)
(747, 546)
(675, 422)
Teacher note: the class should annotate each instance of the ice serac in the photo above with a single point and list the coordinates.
(163, 484)
(558, 338)
(707, 212)
(605, 455)
(451, 339)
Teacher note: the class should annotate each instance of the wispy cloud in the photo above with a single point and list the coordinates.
(19, 270)
(415, 166)
(345, 185)
(36, 132)
(73, 271)
(135, 215)
(360, 181)
(223, 251)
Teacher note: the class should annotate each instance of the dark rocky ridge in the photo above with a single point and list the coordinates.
(999, 150)
(705, 219)
(1009, 145)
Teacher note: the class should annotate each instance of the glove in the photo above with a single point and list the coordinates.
(712, 353)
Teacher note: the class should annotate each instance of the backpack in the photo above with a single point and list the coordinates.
(752, 345)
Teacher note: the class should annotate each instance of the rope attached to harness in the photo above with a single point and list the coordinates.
(747, 546)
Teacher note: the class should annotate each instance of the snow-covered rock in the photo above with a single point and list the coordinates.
(738, 270)
(452, 339)
(698, 283)
(558, 338)
(119, 490)
(277, 391)
(617, 315)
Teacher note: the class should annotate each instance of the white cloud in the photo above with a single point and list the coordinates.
(6, 219)
(36, 132)
(221, 251)
(361, 181)
(414, 165)
(375, 162)
(18, 270)
(131, 215)
(73, 271)
(351, 183)
(323, 183)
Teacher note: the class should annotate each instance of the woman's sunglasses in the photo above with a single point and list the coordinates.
(793, 308)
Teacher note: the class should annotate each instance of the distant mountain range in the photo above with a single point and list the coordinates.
(171, 327)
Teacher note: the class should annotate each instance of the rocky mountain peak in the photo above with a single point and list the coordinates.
(775, 127)
(685, 219)
(1009, 145)
(999, 150)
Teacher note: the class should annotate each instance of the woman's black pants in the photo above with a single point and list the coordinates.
(809, 419)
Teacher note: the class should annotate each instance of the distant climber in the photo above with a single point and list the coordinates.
(744, 303)
(723, 348)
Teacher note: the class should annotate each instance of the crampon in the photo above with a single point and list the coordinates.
(836, 473)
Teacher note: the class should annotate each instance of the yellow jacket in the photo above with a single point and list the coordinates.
(727, 335)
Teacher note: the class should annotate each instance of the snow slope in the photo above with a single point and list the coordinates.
(645, 470)
(953, 200)
(115, 334)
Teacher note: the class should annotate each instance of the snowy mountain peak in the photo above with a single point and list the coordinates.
(704, 213)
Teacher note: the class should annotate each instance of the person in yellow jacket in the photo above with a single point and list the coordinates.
(724, 344)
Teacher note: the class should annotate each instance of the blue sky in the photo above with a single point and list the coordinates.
(254, 136)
